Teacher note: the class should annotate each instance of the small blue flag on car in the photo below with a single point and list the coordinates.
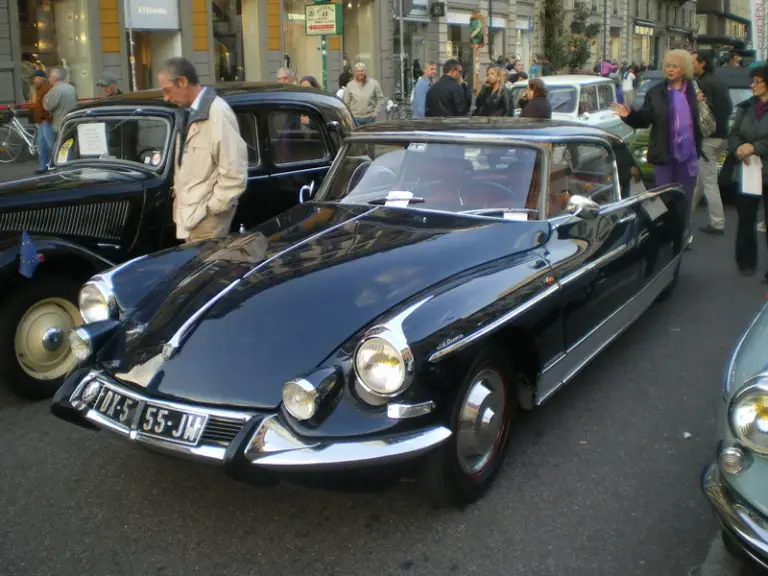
(28, 256)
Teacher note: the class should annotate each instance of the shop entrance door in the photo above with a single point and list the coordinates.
(151, 49)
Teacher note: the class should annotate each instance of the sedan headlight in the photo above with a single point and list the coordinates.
(97, 302)
(301, 399)
(748, 415)
(383, 364)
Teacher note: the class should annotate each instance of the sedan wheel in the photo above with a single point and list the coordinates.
(35, 321)
(462, 469)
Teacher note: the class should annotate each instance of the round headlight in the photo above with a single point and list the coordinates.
(300, 399)
(749, 417)
(80, 344)
(94, 304)
(380, 366)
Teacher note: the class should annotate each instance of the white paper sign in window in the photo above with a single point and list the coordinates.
(92, 139)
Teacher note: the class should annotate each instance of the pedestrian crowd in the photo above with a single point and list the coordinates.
(688, 115)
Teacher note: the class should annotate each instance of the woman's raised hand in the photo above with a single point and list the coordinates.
(621, 109)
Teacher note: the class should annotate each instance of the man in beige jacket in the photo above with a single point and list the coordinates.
(211, 164)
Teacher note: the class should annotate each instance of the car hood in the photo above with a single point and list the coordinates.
(81, 177)
(748, 358)
(305, 288)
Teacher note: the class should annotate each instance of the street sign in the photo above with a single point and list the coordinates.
(323, 19)
(477, 30)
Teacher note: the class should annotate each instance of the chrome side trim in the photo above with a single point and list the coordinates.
(578, 356)
(274, 446)
(402, 411)
(597, 263)
(495, 325)
(173, 345)
(737, 516)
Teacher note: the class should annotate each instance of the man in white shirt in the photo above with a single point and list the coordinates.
(628, 86)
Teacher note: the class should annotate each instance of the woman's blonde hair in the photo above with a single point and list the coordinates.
(684, 59)
(499, 74)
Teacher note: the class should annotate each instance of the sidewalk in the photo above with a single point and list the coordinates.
(16, 170)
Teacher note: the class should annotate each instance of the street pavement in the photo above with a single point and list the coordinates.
(16, 170)
(601, 480)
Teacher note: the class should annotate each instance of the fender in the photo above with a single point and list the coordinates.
(47, 246)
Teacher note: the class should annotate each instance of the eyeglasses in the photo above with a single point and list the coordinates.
(758, 81)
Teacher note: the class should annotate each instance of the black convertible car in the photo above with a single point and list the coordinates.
(446, 274)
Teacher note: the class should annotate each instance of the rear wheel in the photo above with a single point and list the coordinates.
(463, 468)
(35, 321)
(11, 144)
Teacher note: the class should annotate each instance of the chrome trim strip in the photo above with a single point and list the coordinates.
(402, 411)
(173, 345)
(598, 262)
(274, 446)
(495, 325)
(563, 370)
(737, 515)
(204, 452)
(480, 138)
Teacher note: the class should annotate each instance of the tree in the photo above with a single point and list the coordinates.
(567, 49)
(583, 32)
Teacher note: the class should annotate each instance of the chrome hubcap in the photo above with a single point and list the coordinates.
(40, 342)
(481, 421)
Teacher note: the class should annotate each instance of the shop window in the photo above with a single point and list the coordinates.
(296, 137)
(228, 40)
(57, 34)
(249, 133)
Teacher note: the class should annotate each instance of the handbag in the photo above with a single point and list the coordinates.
(706, 117)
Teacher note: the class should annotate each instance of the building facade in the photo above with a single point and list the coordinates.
(724, 24)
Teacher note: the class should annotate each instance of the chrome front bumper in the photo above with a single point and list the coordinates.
(264, 440)
(738, 517)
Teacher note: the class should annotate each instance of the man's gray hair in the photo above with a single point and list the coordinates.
(286, 70)
(59, 72)
(175, 68)
(361, 66)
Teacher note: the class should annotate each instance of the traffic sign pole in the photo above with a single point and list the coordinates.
(324, 57)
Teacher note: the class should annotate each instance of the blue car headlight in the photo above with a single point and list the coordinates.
(748, 415)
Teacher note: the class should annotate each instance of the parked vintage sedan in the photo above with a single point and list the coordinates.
(735, 483)
(581, 98)
(107, 199)
(447, 273)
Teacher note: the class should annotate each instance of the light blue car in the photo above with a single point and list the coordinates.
(736, 484)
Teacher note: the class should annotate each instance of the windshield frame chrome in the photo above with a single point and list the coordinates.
(473, 138)
(114, 113)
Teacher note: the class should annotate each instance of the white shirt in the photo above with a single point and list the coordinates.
(629, 82)
(196, 103)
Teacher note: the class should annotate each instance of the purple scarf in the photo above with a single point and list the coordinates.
(761, 109)
(682, 141)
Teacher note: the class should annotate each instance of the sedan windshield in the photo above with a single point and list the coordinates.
(563, 99)
(136, 139)
(500, 180)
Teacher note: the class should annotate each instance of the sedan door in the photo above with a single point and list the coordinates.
(595, 260)
(250, 210)
(299, 152)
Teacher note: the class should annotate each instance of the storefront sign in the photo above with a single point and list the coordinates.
(757, 8)
(152, 14)
(415, 9)
(643, 31)
(437, 9)
(323, 19)
(477, 30)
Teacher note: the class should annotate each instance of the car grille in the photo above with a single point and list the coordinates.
(103, 220)
(221, 431)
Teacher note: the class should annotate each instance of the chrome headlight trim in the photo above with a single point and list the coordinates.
(756, 384)
(111, 308)
(311, 392)
(396, 339)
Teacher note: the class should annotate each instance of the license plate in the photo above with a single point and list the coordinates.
(116, 406)
(173, 425)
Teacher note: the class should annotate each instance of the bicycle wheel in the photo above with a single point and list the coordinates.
(11, 144)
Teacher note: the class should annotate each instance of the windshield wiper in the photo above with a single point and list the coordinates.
(411, 200)
(486, 211)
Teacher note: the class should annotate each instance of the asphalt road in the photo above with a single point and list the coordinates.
(600, 481)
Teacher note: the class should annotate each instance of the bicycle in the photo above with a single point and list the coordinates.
(14, 135)
(394, 112)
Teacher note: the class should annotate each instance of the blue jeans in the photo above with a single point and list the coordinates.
(44, 140)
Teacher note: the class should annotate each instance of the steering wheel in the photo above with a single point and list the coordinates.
(362, 170)
(495, 185)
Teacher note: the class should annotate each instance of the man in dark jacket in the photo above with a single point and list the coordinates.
(716, 95)
(446, 97)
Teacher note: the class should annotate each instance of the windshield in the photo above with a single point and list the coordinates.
(136, 139)
(500, 180)
(563, 99)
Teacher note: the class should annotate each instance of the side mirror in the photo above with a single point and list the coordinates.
(334, 126)
(306, 192)
(583, 207)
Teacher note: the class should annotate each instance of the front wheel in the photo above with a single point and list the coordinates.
(35, 321)
(463, 468)
(11, 145)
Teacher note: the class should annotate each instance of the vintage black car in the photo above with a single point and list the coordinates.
(446, 274)
(108, 199)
